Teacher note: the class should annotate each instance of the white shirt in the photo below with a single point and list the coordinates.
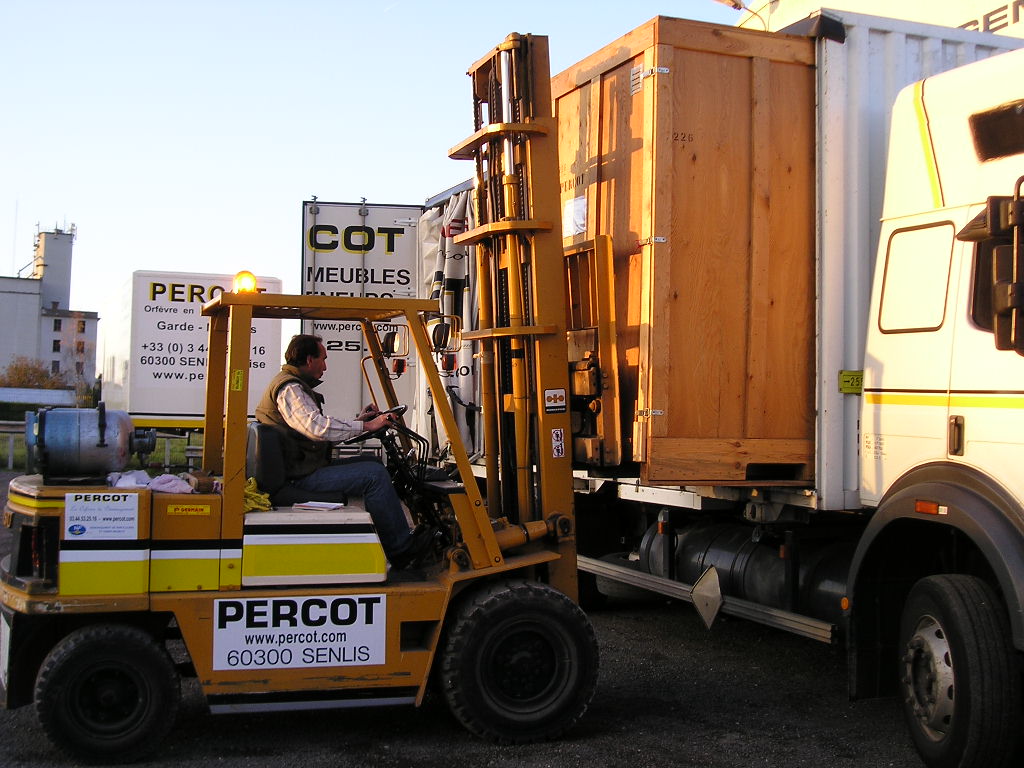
(301, 414)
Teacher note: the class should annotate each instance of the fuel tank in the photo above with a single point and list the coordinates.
(72, 443)
(755, 569)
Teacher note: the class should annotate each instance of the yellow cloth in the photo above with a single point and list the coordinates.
(254, 498)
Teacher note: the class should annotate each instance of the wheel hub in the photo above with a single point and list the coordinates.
(927, 679)
(524, 666)
(108, 699)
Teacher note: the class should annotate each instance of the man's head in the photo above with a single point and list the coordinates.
(306, 352)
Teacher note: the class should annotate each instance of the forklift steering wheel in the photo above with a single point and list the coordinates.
(398, 410)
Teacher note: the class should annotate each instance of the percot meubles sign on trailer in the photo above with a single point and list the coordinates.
(357, 249)
(155, 352)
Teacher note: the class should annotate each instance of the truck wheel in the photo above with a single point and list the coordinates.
(107, 693)
(958, 681)
(520, 663)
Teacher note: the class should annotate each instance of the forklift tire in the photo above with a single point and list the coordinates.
(107, 693)
(520, 663)
(958, 680)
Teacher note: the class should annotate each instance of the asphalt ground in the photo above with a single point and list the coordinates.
(671, 693)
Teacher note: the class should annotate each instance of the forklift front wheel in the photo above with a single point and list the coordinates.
(520, 663)
(107, 693)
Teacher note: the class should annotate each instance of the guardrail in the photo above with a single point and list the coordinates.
(12, 429)
(193, 453)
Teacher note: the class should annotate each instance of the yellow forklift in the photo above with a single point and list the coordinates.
(295, 607)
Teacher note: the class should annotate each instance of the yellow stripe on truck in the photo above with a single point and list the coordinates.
(931, 165)
(903, 398)
(998, 401)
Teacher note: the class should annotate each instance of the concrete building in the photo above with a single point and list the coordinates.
(36, 319)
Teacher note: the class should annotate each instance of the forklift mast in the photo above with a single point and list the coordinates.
(522, 298)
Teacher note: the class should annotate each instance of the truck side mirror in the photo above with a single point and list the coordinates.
(1007, 304)
(996, 221)
(1000, 226)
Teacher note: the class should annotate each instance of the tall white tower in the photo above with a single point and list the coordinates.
(51, 265)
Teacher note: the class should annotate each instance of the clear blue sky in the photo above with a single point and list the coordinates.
(184, 135)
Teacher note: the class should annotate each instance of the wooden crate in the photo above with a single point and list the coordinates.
(692, 145)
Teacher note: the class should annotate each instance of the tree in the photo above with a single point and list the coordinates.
(30, 373)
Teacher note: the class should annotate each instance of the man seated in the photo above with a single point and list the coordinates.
(291, 405)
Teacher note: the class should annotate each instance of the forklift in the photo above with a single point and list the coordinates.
(111, 594)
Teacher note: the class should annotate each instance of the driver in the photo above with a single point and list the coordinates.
(295, 410)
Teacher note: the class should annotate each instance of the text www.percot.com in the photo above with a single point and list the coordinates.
(290, 638)
(178, 375)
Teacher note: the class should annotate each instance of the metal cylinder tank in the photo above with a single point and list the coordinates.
(754, 570)
(82, 442)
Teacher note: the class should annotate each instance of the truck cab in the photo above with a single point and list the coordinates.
(937, 581)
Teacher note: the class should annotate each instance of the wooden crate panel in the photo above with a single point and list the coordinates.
(713, 461)
(692, 145)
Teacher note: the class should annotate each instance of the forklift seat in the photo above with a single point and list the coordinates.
(264, 461)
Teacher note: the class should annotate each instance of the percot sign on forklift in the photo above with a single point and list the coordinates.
(357, 249)
(267, 633)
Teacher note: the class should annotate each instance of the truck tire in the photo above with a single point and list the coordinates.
(107, 693)
(958, 680)
(520, 663)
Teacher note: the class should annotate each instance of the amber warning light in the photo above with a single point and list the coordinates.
(245, 282)
(930, 508)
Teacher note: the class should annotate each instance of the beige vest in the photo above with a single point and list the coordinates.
(302, 456)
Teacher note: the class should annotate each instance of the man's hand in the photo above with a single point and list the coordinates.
(379, 422)
(368, 413)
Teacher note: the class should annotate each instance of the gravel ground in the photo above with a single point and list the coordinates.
(670, 693)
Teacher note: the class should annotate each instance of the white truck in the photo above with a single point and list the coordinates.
(768, 420)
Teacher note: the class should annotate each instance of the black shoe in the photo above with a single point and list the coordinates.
(419, 545)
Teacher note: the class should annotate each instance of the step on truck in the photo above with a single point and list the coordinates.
(110, 594)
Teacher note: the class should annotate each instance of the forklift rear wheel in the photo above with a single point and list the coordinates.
(107, 693)
(520, 663)
(958, 677)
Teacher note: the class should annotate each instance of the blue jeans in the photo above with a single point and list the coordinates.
(367, 478)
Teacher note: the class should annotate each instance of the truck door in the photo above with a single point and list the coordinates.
(907, 362)
(986, 403)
